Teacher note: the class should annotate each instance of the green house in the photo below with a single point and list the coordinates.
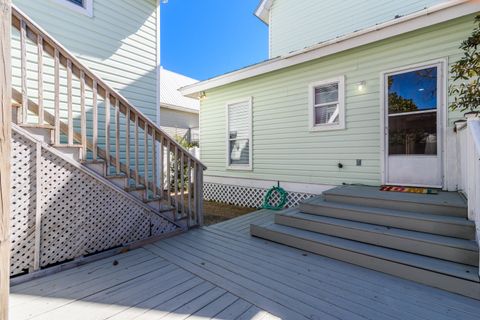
(353, 93)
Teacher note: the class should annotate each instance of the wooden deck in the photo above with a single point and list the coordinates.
(221, 272)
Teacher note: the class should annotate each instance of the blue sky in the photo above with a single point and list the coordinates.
(206, 38)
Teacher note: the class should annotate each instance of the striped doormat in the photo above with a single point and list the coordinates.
(409, 189)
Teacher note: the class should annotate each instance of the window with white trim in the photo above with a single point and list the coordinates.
(81, 6)
(327, 104)
(239, 135)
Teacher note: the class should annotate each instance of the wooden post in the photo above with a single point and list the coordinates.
(5, 152)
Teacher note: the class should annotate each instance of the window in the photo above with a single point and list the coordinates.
(239, 135)
(326, 107)
(77, 2)
(81, 6)
(412, 111)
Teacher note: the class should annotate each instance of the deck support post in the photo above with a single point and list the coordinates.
(5, 152)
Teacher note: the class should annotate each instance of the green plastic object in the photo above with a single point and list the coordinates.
(268, 197)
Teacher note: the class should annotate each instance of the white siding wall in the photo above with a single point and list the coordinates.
(295, 25)
(119, 43)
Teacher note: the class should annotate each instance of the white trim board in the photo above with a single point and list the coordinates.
(421, 19)
(263, 10)
(266, 184)
(87, 8)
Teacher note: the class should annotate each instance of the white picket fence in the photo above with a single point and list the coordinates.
(468, 140)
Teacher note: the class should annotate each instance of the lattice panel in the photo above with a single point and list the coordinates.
(79, 214)
(247, 196)
(23, 204)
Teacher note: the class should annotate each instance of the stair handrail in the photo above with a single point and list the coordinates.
(18, 15)
(183, 159)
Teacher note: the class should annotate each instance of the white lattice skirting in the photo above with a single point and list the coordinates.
(61, 212)
(247, 196)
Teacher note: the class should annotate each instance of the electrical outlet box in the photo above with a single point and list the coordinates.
(359, 162)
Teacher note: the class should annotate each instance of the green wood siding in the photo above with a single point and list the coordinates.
(295, 25)
(284, 148)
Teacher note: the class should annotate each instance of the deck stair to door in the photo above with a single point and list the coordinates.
(424, 238)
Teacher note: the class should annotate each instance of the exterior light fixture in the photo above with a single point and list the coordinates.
(203, 95)
(361, 85)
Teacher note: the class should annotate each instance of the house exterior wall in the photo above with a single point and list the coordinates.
(119, 43)
(283, 147)
(295, 25)
(176, 122)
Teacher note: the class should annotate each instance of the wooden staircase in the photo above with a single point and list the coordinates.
(87, 120)
(424, 238)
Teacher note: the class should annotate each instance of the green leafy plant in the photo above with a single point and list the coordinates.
(465, 88)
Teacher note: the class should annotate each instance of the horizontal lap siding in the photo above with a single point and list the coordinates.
(119, 44)
(298, 24)
(283, 147)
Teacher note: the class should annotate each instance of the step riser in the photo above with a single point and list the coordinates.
(71, 152)
(444, 229)
(139, 194)
(434, 279)
(389, 241)
(41, 134)
(119, 182)
(398, 205)
(98, 168)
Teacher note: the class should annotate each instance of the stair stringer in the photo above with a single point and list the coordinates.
(63, 211)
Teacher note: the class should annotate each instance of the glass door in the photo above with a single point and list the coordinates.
(413, 127)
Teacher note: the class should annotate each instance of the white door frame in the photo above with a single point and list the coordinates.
(442, 65)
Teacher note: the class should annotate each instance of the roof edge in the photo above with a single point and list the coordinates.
(436, 14)
(263, 10)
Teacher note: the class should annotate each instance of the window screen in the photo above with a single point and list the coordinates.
(239, 129)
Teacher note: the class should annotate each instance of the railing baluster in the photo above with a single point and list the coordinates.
(193, 215)
(41, 118)
(169, 174)
(182, 182)
(107, 130)
(69, 102)
(83, 116)
(189, 182)
(95, 120)
(23, 53)
(154, 162)
(137, 178)
(117, 136)
(57, 96)
(176, 180)
(145, 158)
(161, 159)
(127, 140)
(199, 187)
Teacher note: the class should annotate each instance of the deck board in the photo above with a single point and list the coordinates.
(220, 272)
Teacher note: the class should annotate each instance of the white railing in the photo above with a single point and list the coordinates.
(468, 142)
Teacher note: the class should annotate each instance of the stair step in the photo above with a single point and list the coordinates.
(36, 125)
(42, 133)
(134, 188)
(71, 151)
(444, 203)
(446, 248)
(118, 180)
(446, 275)
(97, 166)
(430, 223)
